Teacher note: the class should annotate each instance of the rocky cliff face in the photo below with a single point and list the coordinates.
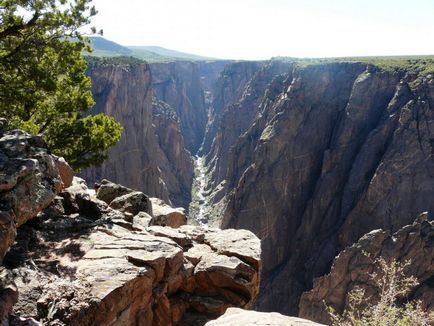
(337, 151)
(174, 161)
(239, 114)
(179, 85)
(228, 89)
(124, 92)
(163, 109)
(151, 155)
(355, 265)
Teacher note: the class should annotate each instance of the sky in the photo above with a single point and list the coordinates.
(261, 29)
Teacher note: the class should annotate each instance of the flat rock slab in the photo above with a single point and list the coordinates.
(237, 317)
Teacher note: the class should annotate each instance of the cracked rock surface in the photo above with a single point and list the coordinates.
(96, 267)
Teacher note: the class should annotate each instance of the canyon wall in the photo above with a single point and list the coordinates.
(124, 91)
(189, 87)
(308, 157)
(152, 155)
(337, 151)
(163, 108)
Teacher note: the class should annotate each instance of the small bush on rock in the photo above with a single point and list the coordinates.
(393, 285)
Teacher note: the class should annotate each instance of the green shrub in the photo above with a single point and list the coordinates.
(392, 285)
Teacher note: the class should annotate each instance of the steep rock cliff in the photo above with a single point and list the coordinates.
(124, 91)
(228, 89)
(174, 161)
(237, 118)
(179, 85)
(338, 150)
(355, 265)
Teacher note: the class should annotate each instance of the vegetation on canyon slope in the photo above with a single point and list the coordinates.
(392, 284)
(43, 87)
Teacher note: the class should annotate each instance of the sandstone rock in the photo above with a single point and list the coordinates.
(180, 238)
(29, 181)
(238, 243)
(165, 215)
(236, 316)
(142, 220)
(65, 171)
(352, 267)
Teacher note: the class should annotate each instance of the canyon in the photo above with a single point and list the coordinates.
(310, 157)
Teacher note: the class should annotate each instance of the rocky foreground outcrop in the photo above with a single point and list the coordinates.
(353, 267)
(236, 317)
(29, 181)
(99, 261)
(116, 257)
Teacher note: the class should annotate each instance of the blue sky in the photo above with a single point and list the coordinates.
(260, 29)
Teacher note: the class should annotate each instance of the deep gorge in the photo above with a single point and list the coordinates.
(309, 158)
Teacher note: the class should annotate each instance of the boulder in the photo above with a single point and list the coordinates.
(8, 294)
(29, 181)
(107, 191)
(236, 317)
(65, 171)
(132, 203)
(165, 215)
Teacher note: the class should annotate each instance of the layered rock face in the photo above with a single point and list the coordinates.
(337, 151)
(163, 109)
(151, 155)
(228, 88)
(354, 265)
(238, 114)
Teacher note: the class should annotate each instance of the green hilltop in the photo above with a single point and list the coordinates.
(106, 48)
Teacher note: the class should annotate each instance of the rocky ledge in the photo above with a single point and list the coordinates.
(110, 257)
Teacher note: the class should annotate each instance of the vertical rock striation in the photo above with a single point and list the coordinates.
(179, 85)
(174, 161)
(228, 89)
(339, 150)
(124, 92)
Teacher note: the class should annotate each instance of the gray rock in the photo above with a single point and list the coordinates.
(107, 191)
(132, 203)
(29, 181)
